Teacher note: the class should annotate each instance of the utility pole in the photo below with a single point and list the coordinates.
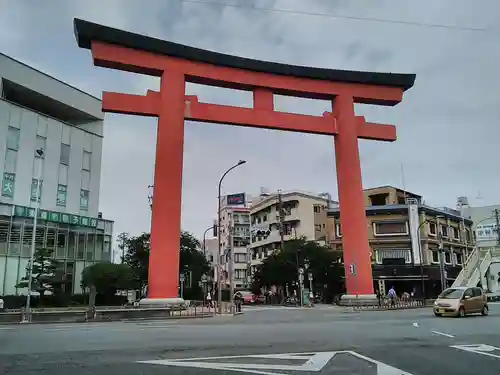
(231, 261)
(281, 220)
(442, 266)
(496, 211)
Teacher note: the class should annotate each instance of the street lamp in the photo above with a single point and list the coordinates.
(219, 285)
(39, 154)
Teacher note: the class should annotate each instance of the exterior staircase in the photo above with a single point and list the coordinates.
(476, 267)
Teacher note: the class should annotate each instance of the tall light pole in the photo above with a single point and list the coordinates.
(39, 153)
(219, 291)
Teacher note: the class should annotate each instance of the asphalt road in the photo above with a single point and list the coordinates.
(279, 341)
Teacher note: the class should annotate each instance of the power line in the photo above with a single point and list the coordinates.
(330, 15)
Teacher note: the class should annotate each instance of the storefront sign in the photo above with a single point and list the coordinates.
(55, 217)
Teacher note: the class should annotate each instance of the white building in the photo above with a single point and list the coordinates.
(39, 112)
(305, 216)
(235, 215)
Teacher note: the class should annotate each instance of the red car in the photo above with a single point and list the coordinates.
(249, 298)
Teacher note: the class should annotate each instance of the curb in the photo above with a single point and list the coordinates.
(108, 321)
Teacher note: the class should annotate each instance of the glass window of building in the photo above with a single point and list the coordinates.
(84, 199)
(4, 234)
(15, 239)
(87, 159)
(13, 135)
(10, 161)
(82, 237)
(85, 180)
(36, 189)
(62, 195)
(63, 174)
(65, 153)
(40, 144)
(72, 239)
(38, 165)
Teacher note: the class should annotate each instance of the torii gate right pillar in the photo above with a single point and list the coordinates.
(359, 286)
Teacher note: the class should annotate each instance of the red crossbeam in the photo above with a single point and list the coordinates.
(149, 105)
(121, 58)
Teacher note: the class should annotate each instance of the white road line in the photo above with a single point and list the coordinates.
(443, 334)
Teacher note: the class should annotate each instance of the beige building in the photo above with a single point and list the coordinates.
(305, 216)
(404, 239)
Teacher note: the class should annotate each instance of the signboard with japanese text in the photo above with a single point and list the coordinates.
(55, 217)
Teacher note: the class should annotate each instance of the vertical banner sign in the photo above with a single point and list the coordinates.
(414, 231)
(236, 199)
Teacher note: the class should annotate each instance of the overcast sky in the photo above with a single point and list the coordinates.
(448, 124)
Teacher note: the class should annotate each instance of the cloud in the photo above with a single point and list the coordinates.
(447, 123)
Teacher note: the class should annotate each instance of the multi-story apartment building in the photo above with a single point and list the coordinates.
(405, 239)
(305, 216)
(51, 145)
(234, 232)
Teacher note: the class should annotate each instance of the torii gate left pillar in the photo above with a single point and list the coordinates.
(175, 64)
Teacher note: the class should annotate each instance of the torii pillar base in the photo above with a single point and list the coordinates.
(358, 300)
(161, 302)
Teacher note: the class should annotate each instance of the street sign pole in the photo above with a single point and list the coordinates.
(181, 279)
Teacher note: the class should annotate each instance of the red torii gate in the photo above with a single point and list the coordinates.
(177, 64)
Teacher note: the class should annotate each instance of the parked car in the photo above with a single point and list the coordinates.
(461, 301)
(248, 297)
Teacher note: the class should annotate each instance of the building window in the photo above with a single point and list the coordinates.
(455, 233)
(317, 209)
(84, 199)
(87, 159)
(62, 195)
(435, 256)
(239, 274)
(382, 254)
(338, 230)
(8, 184)
(240, 258)
(38, 165)
(447, 257)
(467, 235)
(36, 189)
(317, 227)
(40, 144)
(444, 231)
(10, 161)
(85, 180)
(432, 229)
(13, 136)
(65, 152)
(390, 229)
(458, 259)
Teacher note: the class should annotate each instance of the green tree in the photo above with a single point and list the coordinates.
(122, 241)
(137, 256)
(280, 268)
(192, 261)
(107, 278)
(47, 273)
